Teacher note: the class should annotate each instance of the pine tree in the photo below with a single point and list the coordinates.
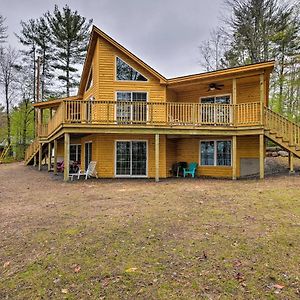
(44, 49)
(3, 29)
(69, 35)
(28, 39)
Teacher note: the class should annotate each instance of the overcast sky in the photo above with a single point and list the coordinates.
(164, 33)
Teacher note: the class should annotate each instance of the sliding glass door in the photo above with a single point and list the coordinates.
(131, 107)
(131, 158)
(87, 154)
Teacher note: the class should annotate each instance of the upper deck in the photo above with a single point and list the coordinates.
(84, 115)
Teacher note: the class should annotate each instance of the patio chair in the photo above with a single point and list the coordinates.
(190, 170)
(60, 166)
(90, 171)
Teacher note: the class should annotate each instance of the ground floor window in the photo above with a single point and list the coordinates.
(131, 158)
(215, 153)
(75, 152)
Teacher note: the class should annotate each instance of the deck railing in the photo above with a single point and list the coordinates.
(166, 114)
(32, 148)
(285, 128)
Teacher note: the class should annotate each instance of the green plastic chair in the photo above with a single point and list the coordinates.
(192, 168)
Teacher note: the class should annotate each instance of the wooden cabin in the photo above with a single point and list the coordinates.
(136, 123)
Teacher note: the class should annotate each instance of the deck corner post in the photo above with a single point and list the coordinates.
(262, 97)
(234, 100)
(156, 157)
(49, 156)
(66, 156)
(291, 163)
(234, 157)
(40, 156)
(261, 156)
(55, 157)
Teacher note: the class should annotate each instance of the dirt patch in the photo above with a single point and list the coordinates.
(135, 239)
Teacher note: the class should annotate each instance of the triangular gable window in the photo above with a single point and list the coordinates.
(126, 72)
(90, 80)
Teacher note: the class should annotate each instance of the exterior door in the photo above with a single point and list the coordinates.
(131, 158)
(215, 111)
(87, 154)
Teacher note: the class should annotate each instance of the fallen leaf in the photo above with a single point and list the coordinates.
(64, 291)
(77, 269)
(6, 264)
(130, 270)
(278, 286)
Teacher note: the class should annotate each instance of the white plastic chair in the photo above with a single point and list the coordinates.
(90, 171)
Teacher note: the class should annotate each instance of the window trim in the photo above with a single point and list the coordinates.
(132, 91)
(84, 158)
(216, 95)
(215, 152)
(115, 159)
(86, 89)
(76, 150)
(135, 81)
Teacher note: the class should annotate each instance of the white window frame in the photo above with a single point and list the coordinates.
(115, 160)
(86, 142)
(136, 81)
(76, 150)
(215, 152)
(216, 95)
(92, 81)
(131, 92)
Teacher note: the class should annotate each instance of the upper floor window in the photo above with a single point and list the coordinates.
(126, 72)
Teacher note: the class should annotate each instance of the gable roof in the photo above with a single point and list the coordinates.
(89, 56)
(96, 32)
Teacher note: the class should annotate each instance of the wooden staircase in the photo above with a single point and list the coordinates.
(31, 151)
(282, 131)
(4, 153)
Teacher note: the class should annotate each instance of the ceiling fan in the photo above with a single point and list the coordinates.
(214, 86)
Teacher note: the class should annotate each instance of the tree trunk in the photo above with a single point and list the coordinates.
(8, 116)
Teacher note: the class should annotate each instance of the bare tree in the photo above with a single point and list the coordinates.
(212, 50)
(8, 81)
(3, 28)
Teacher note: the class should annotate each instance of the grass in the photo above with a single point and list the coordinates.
(179, 239)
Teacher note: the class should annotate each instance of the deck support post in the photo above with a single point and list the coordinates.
(261, 156)
(262, 98)
(34, 160)
(40, 156)
(55, 157)
(156, 157)
(234, 157)
(291, 163)
(66, 156)
(49, 156)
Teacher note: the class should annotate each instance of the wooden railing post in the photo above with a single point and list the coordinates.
(262, 98)
(234, 100)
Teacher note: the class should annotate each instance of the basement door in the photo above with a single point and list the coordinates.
(87, 154)
(131, 159)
